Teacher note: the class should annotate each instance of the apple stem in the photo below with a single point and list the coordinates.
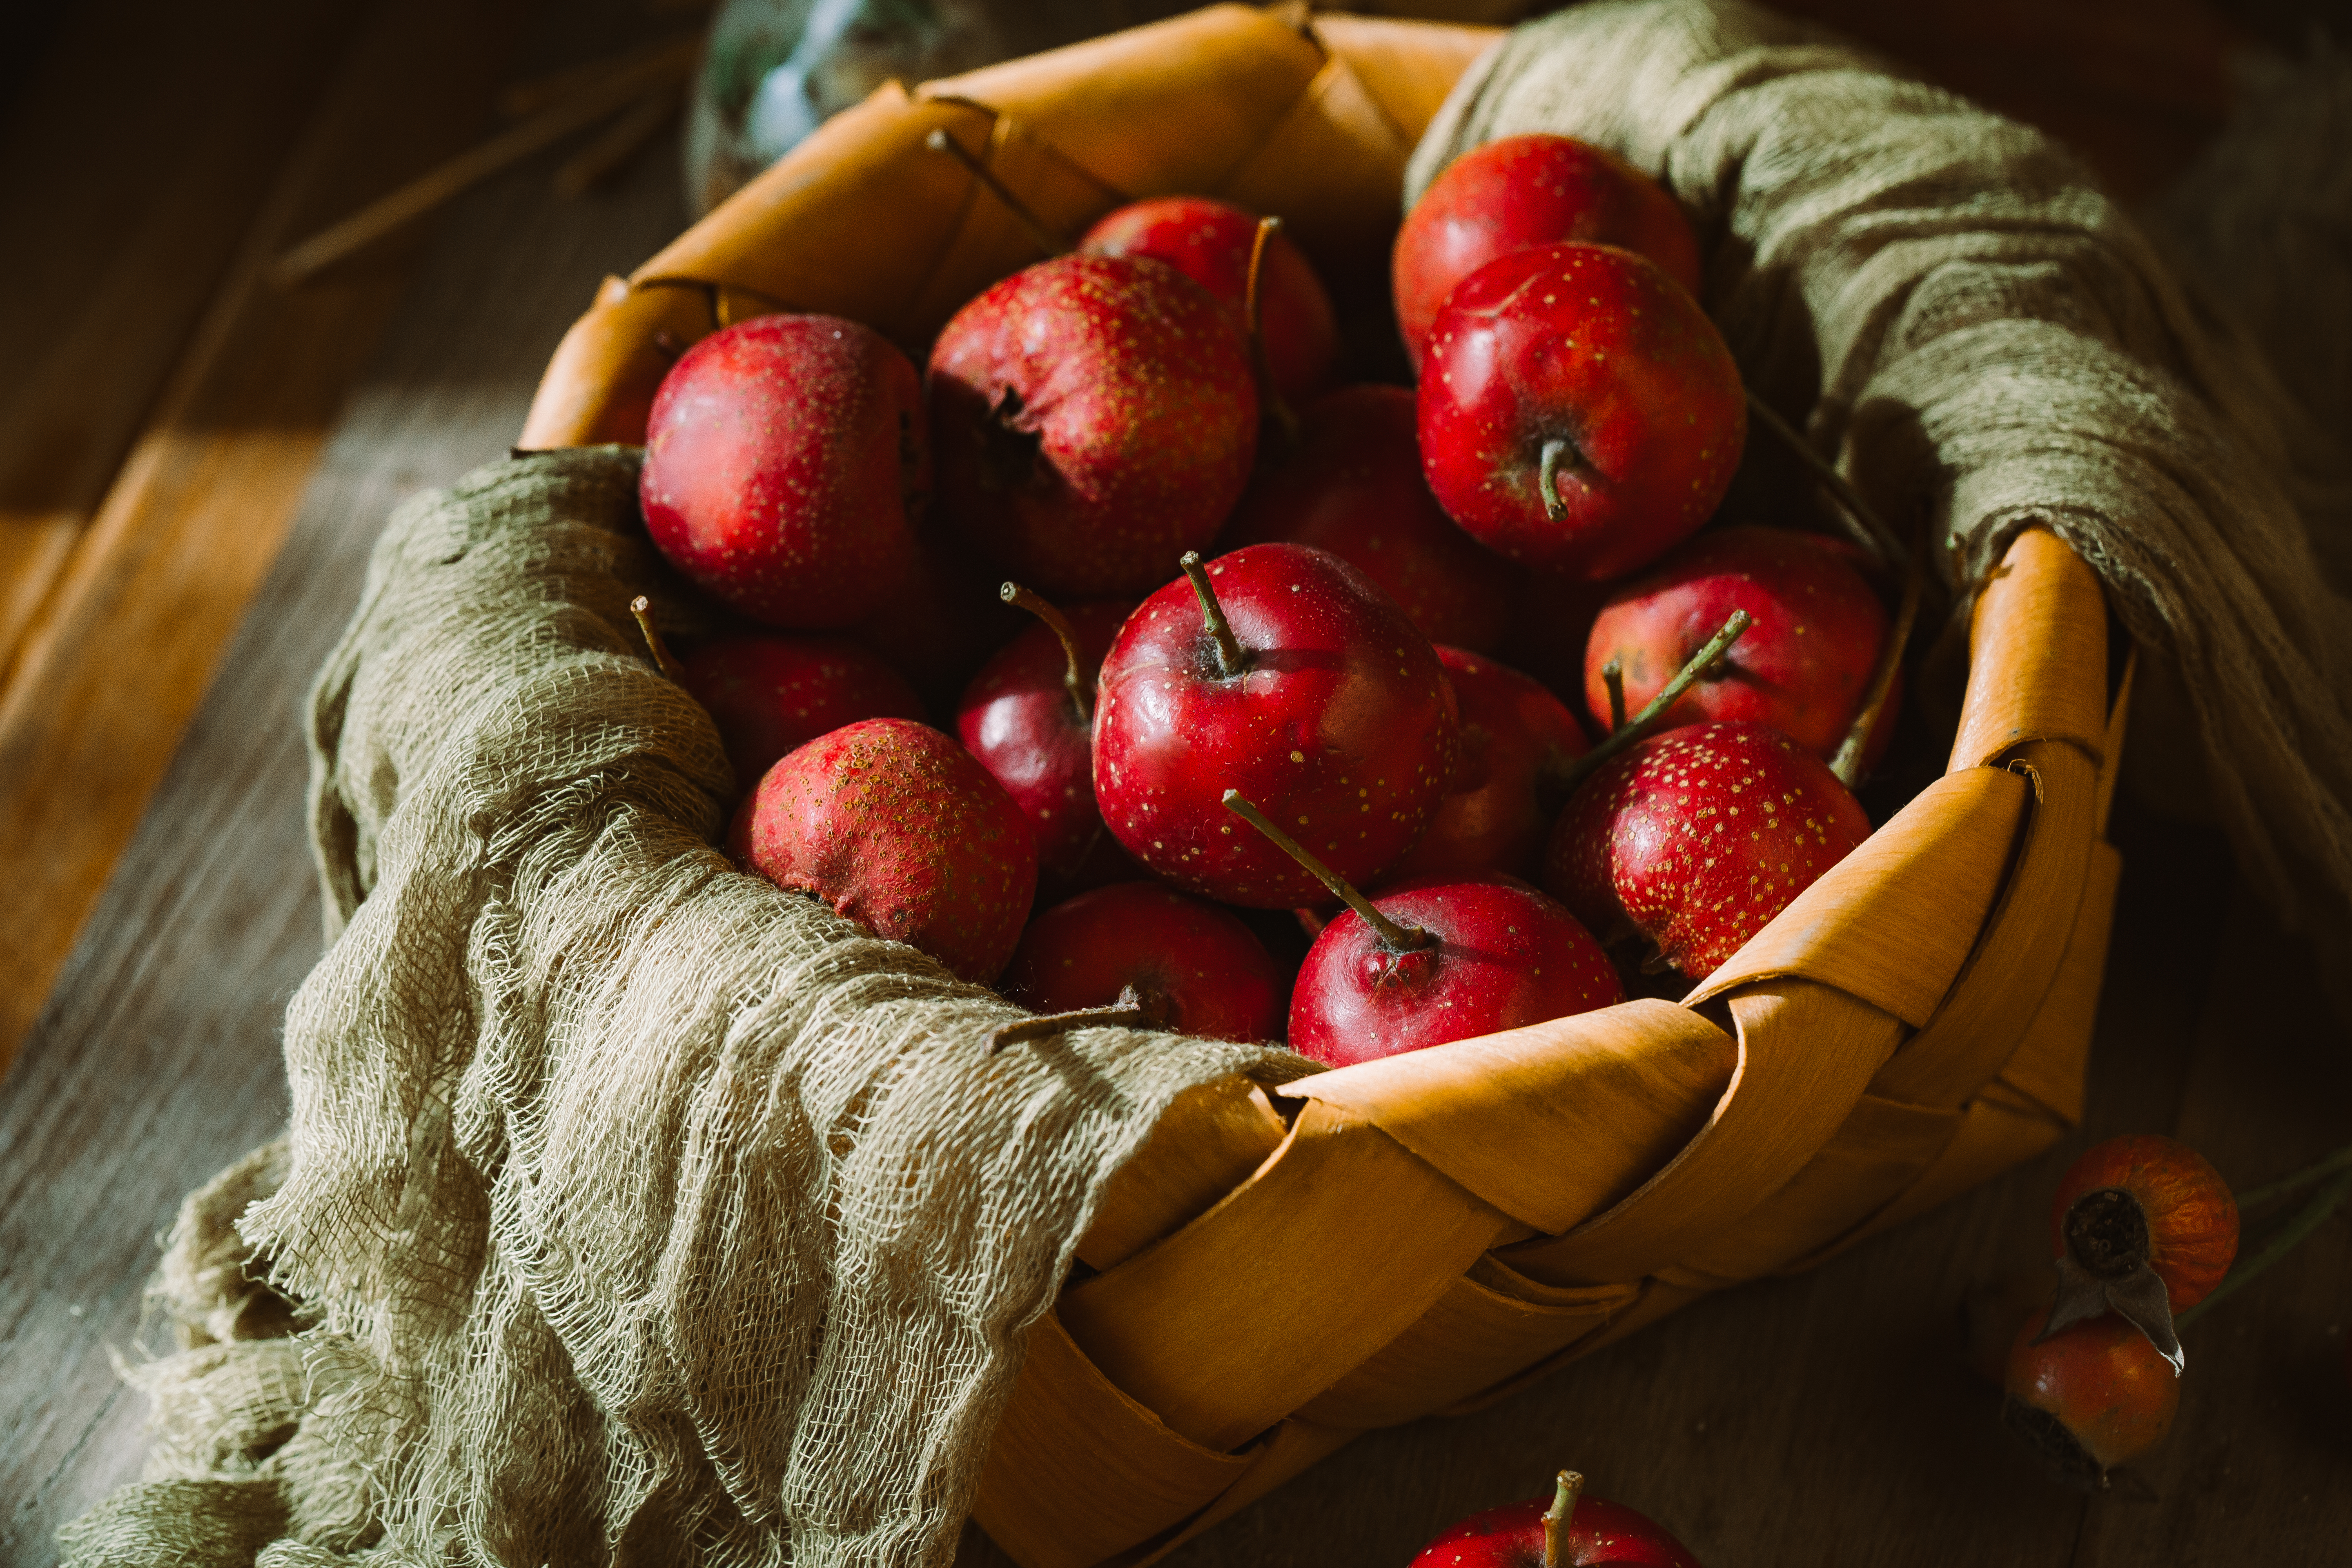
(1271, 406)
(1612, 676)
(1079, 684)
(1847, 764)
(1137, 1008)
(1862, 523)
(1570, 1486)
(2254, 1197)
(1565, 780)
(642, 609)
(1043, 233)
(1547, 476)
(1394, 937)
(1232, 657)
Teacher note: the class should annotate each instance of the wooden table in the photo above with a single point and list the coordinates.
(235, 451)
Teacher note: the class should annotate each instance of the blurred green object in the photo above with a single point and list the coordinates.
(777, 69)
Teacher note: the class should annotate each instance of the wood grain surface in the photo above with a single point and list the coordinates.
(1821, 1419)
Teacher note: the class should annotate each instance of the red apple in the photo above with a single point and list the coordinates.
(1521, 191)
(771, 695)
(1094, 417)
(1028, 715)
(897, 827)
(1492, 817)
(1208, 974)
(1210, 242)
(1578, 412)
(1353, 487)
(1576, 1532)
(1694, 838)
(1803, 669)
(1292, 678)
(1494, 954)
(2088, 1398)
(785, 469)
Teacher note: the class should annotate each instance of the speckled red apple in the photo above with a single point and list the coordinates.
(1310, 692)
(1693, 839)
(1578, 412)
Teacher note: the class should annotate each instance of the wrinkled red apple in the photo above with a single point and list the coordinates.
(1694, 838)
(1803, 669)
(1353, 487)
(897, 827)
(786, 466)
(1309, 691)
(1207, 973)
(1210, 242)
(1578, 413)
(1094, 417)
(1521, 191)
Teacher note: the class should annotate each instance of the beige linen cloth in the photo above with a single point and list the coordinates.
(633, 1211)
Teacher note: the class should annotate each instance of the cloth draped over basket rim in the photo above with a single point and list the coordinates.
(1916, 1021)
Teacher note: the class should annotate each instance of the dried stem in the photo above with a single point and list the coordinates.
(2254, 1197)
(1568, 1486)
(1270, 404)
(1075, 678)
(1612, 676)
(1232, 657)
(1042, 233)
(642, 609)
(1135, 1009)
(1394, 937)
(1847, 764)
(1565, 780)
(1862, 523)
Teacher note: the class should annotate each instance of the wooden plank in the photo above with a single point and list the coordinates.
(132, 163)
(204, 499)
(156, 1060)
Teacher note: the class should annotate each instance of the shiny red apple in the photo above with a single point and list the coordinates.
(1577, 411)
(1284, 672)
(1521, 191)
(786, 467)
(1563, 1531)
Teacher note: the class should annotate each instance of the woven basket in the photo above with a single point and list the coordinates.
(1425, 1233)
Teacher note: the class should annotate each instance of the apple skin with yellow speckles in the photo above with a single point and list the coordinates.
(1093, 418)
(1595, 354)
(897, 827)
(1693, 839)
(1340, 724)
(1505, 955)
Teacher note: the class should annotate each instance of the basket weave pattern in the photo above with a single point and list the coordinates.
(1428, 1231)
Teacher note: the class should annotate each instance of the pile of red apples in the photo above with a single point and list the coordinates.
(1119, 651)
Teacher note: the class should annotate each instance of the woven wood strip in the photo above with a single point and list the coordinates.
(1430, 1232)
